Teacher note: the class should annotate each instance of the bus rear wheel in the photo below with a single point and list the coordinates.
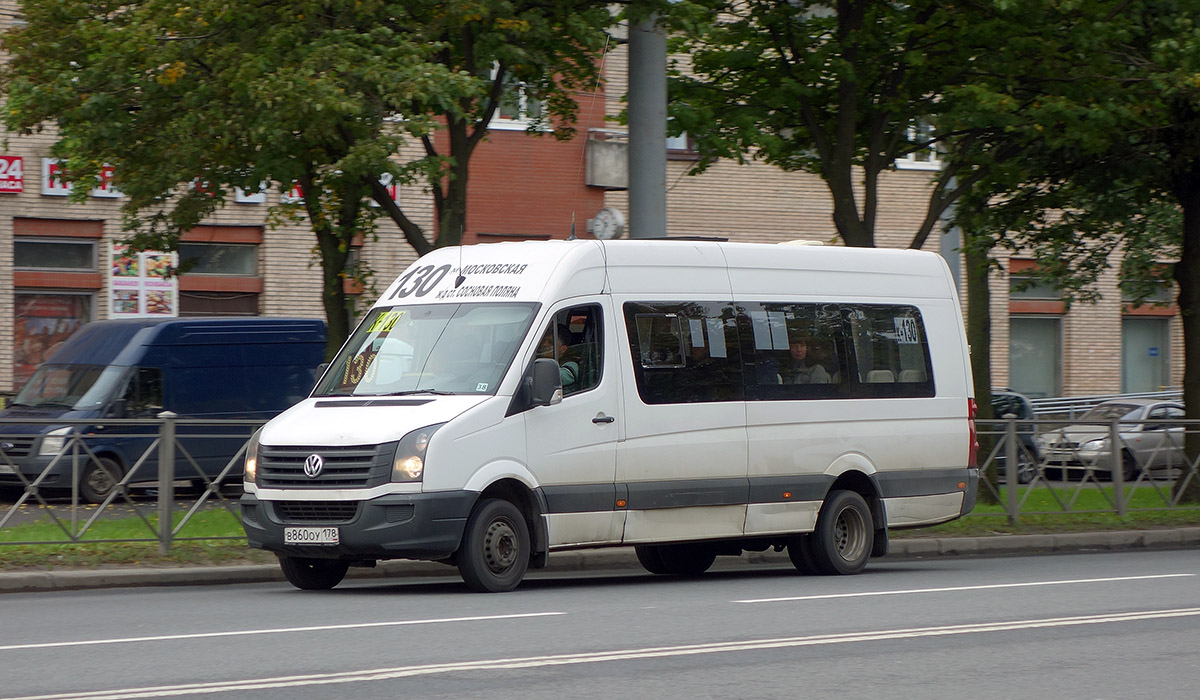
(688, 559)
(845, 533)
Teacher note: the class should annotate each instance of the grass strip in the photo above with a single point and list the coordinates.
(1042, 512)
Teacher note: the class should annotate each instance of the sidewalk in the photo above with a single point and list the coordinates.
(613, 559)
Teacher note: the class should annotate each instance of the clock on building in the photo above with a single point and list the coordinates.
(608, 224)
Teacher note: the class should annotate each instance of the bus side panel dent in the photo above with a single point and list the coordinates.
(916, 511)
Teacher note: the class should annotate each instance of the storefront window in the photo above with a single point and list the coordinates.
(219, 259)
(1035, 355)
(43, 321)
(32, 254)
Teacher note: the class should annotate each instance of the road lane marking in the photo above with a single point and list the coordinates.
(950, 589)
(278, 630)
(383, 674)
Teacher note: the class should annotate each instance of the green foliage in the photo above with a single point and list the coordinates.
(835, 91)
(189, 101)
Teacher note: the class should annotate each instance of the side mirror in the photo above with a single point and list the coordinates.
(117, 409)
(547, 383)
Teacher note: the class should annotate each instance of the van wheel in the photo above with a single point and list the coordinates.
(99, 478)
(313, 574)
(495, 548)
(800, 552)
(650, 557)
(842, 542)
(687, 559)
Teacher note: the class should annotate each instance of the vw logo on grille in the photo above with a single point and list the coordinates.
(312, 466)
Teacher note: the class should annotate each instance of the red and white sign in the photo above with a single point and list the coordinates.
(12, 174)
(105, 188)
(52, 185)
(295, 195)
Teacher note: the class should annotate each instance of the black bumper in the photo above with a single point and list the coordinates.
(397, 526)
(972, 491)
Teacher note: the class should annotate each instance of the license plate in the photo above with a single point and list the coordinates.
(311, 535)
(7, 469)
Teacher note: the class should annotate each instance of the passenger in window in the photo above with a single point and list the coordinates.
(568, 370)
(798, 370)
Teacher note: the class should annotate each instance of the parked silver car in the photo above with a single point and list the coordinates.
(1149, 434)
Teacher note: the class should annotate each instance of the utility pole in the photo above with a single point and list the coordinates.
(647, 129)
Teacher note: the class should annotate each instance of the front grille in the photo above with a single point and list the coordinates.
(316, 511)
(360, 466)
(15, 447)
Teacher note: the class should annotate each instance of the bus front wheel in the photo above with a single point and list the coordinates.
(495, 548)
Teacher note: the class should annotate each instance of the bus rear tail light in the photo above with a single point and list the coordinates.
(973, 449)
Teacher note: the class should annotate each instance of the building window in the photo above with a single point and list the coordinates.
(221, 271)
(926, 156)
(1035, 355)
(54, 254)
(1027, 287)
(219, 259)
(43, 320)
(1145, 357)
(195, 303)
(517, 109)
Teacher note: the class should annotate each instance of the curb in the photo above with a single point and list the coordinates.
(611, 559)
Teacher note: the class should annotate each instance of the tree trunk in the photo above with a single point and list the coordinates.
(333, 245)
(979, 339)
(1187, 275)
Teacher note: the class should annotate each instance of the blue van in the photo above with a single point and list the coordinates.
(247, 368)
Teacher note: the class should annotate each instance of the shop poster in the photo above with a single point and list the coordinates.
(141, 284)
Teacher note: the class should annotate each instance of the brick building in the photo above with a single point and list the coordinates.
(59, 267)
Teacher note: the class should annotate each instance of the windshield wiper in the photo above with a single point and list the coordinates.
(411, 392)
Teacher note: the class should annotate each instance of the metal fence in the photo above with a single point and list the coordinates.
(41, 476)
(1030, 457)
(1088, 466)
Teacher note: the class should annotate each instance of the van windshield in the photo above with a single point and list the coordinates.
(435, 348)
(78, 387)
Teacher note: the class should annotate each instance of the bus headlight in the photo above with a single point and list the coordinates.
(409, 462)
(250, 466)
(54, 441)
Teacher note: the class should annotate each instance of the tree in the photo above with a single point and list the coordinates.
(188, 102)
(1112, 163)
(841, 90)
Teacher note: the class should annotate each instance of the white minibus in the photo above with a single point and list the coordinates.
(690, 398)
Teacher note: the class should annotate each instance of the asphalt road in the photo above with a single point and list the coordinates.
(1112, 625)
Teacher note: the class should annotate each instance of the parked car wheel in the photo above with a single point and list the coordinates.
(495, 548)
(1129, 467)
(99, 478)
(313, 574)
(1026, 467)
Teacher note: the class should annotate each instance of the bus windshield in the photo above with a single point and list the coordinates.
(435, 348)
